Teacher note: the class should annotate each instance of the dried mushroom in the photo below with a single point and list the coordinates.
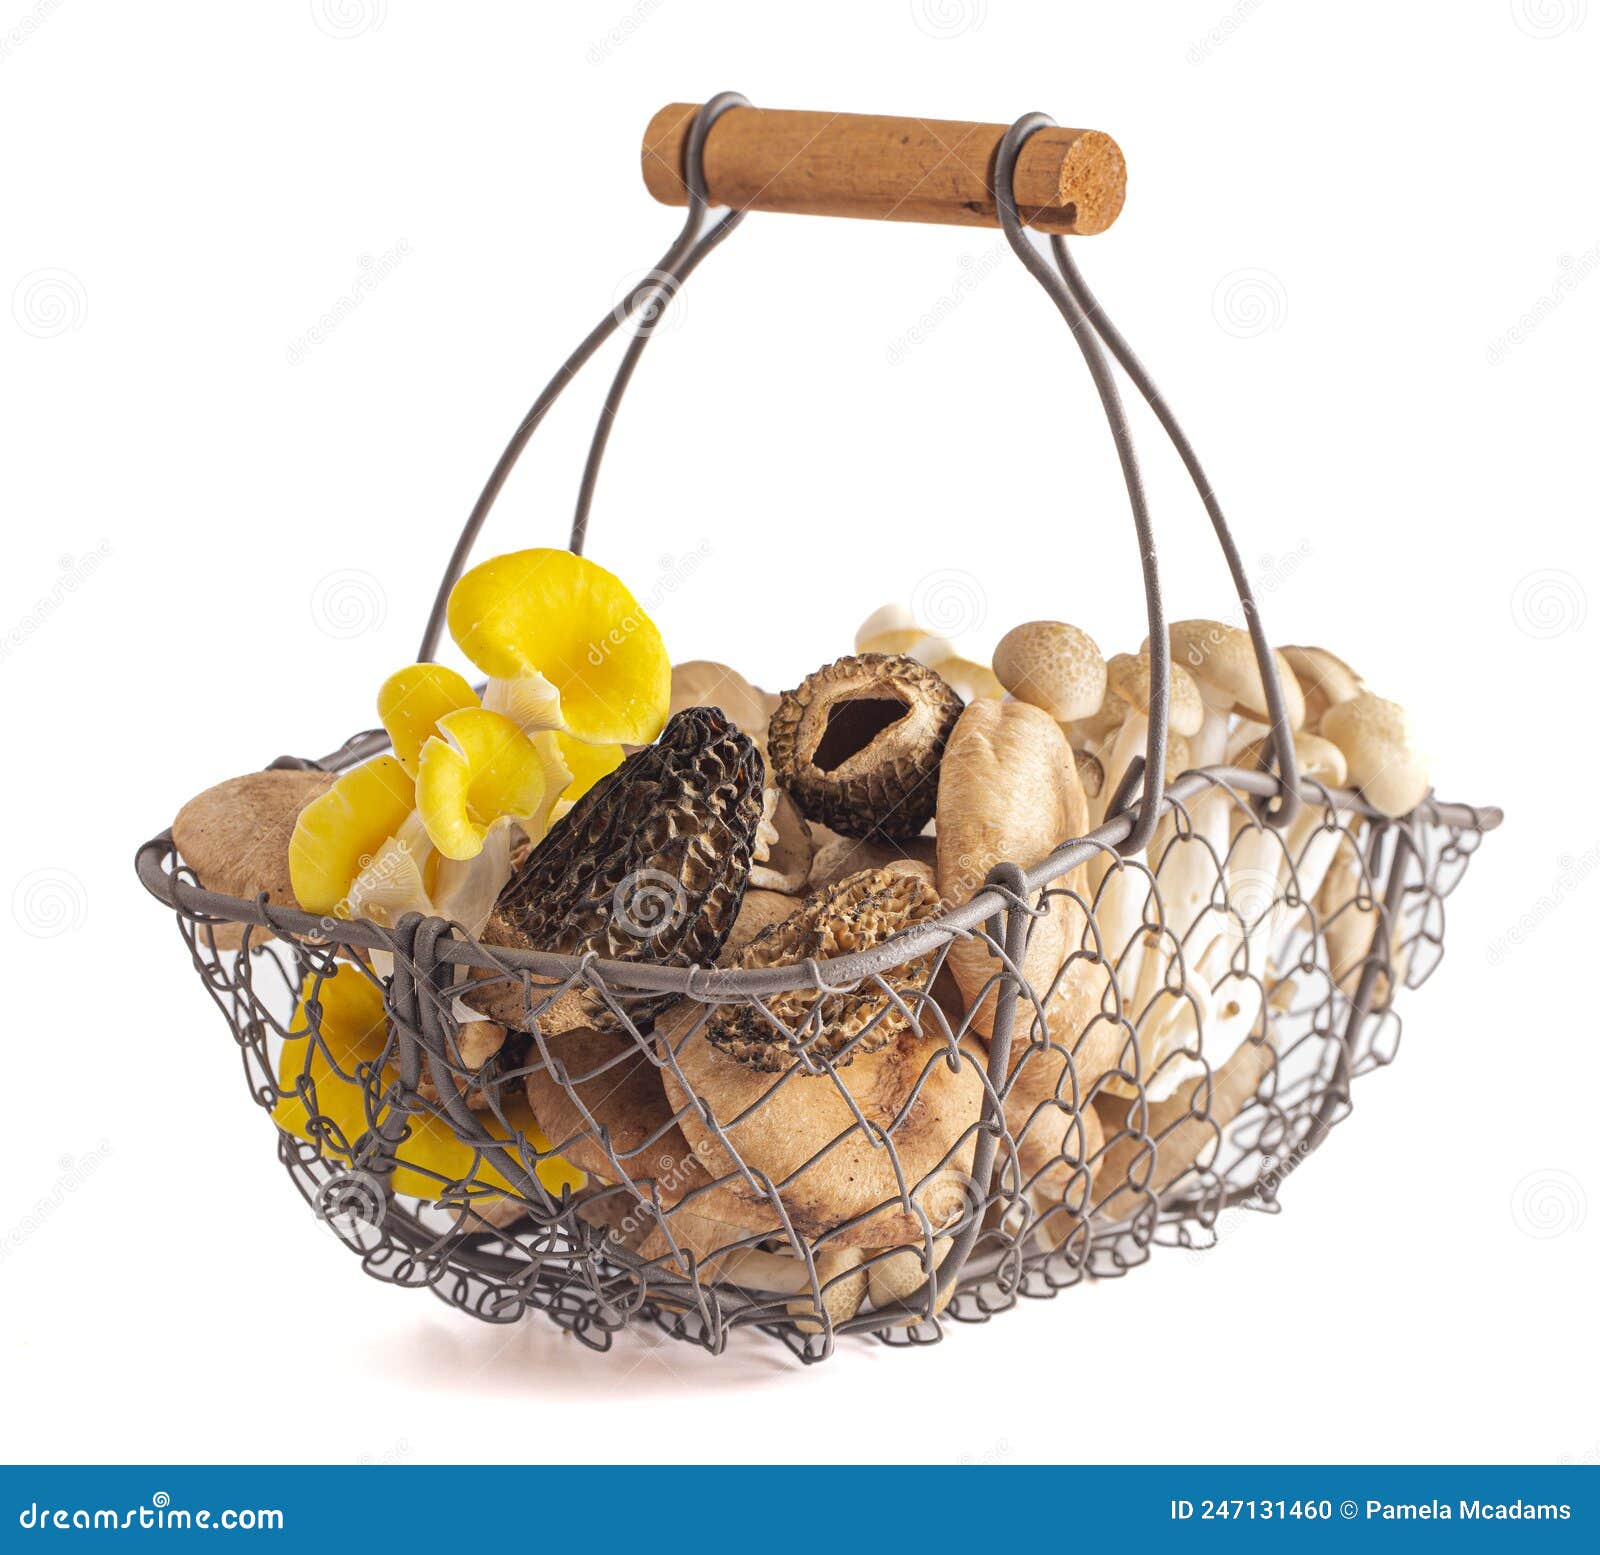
(235, 837)
(649, 866)
(858, 913)
(858, 744)
(784, 850)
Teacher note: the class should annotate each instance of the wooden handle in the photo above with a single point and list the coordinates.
(858, 164)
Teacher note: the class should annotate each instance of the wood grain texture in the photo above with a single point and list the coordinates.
(887, 169)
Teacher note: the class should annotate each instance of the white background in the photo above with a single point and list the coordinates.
(1359, 251)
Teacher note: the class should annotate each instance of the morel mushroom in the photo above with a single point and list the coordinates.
(650, 865)
(854, 915)
(858, 744)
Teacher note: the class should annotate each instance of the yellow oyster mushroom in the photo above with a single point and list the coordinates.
(350, 1031)
(481, 768)
(547, 615)
(587, 764)
(432, 1155)
(413, 700)
(339, 834)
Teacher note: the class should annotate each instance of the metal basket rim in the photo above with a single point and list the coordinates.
(154, 865)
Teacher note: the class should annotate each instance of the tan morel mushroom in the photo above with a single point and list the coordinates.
(235, 837)
(1379, 743)
(1055, 666)
(858, 744)
(860, 911)
(845, 1147)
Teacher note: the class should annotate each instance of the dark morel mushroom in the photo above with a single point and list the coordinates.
(650, 865)
(858, 744)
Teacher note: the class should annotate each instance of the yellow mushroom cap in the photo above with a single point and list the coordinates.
(413, 700)
(564, 617)
(351, 1031)
(339, 832)
(587, 763)
(478, 769)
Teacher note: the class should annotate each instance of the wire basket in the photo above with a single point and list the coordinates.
(1232, 943)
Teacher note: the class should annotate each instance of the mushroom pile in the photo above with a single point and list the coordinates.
(815, 1148)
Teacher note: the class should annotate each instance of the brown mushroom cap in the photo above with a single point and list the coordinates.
(1325, 679)
(1222, 661)
(1053, 665)
(235, 837)
(838, 856)
(1128, 674)
(706, 683)
(1008, 793)
(1317, 757)
(1380, 746)
(858, 744)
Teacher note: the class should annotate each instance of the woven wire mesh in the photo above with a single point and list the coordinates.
(1159, 1037)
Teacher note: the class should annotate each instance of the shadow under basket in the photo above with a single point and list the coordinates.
(1171, 1013)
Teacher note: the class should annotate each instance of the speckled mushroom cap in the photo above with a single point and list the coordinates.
(1128, 674)
(859, 912)
(858, 744)
(1325, 679)
(235, 837)
(1053, 665)
(1380, 747)
(1222, 661)
(650, 865)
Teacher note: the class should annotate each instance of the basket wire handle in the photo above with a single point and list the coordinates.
(1155, 759)
(1282, 809)
(680, 259)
